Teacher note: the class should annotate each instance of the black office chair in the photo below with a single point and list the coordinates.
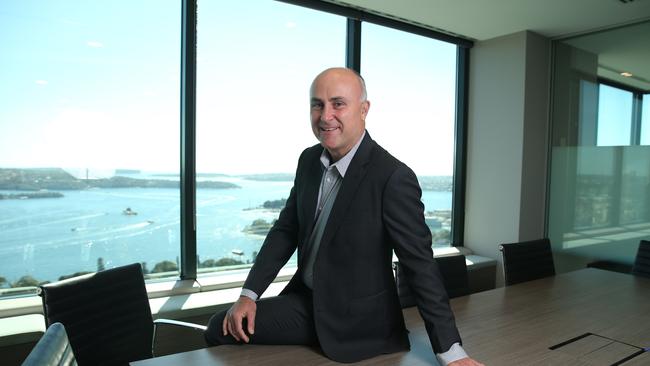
(53, 349)
(454, 276)
(106, 315)
(642, 261)
(527, 261)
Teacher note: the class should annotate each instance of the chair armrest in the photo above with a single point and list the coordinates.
(179, 324)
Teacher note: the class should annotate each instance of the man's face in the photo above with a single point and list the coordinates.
(338, 114)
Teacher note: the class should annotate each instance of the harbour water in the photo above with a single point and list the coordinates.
(49, 237)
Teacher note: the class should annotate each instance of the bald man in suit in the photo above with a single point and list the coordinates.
(351, 205)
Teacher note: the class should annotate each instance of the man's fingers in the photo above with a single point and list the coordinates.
(224, 324)
(251, 323)
(238, 328)
(466, 362)
(231, 328)
(233, 322)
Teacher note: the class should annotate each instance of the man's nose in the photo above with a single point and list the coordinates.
(327, 113)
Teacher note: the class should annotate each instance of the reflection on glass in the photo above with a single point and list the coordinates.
(411, 87)
(256, 61)
(88, 121)
(635, 186)
(614, 116)
(594, 187)
(611, 188)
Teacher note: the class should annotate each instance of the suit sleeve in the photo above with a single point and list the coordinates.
(279, 245)
(403, 214)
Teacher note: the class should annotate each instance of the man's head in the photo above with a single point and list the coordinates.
(338, 110)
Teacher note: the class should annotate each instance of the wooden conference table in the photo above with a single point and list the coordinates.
(591, 316)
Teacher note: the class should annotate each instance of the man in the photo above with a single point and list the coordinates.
(352, 204)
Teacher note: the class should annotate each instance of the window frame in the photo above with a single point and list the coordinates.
(188, 261)
(355, 19)
(637, 104)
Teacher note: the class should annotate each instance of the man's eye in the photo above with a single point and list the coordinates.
(316, 106)
(338, 104)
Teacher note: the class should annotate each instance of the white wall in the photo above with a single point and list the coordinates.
(506, 146)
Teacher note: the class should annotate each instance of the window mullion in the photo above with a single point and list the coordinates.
(460, 147)
(188, 141)
(353, 45)
(637, 102)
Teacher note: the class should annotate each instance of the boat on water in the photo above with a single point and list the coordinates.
(129, 212)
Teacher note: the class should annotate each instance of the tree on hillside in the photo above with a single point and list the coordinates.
(228, 262)
(165, 266)
(25, 281)
(208, 263)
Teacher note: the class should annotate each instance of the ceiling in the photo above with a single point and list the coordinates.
(485, 19)
(581, 22)
(625, 49)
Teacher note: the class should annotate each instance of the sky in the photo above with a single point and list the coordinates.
(615, 106)
(96, 84)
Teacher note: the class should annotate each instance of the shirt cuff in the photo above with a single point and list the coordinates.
(455, 353)
(248, 293)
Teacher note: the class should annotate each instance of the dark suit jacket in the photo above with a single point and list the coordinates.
(356, 308)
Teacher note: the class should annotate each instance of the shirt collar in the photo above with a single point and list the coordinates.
(343, 163)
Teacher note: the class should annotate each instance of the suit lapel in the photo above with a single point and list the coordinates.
(313, 177)
(353, 177)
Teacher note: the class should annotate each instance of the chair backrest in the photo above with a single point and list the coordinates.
(642, 261)
(106, 314)
(527, 261)
(454, 274)
(53, 349)
(453, 270)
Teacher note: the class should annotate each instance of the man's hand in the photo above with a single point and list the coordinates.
(244, 307)
(465, 362)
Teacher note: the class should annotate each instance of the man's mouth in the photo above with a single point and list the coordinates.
(328, 129)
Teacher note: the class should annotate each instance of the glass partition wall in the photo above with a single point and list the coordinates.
(599, 205)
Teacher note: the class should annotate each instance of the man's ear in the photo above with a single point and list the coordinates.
(365, 106)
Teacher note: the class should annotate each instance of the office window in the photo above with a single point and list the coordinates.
(89, 128)
(89, 138)
(614, 116)
(255, 63)
(412, 90)
(645, 120)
